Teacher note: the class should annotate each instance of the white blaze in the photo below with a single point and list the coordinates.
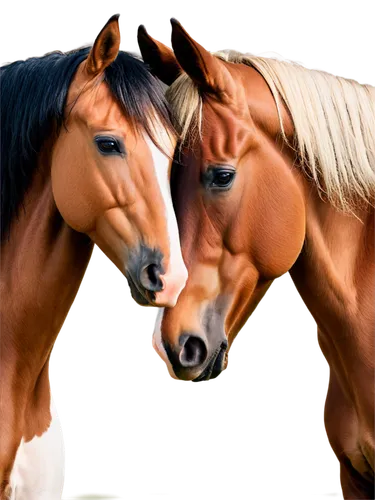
(175, 275)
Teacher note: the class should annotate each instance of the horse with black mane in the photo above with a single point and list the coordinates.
(86, 147)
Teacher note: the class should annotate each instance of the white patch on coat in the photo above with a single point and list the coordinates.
(176, 274)
(157, 344)
(38, 472)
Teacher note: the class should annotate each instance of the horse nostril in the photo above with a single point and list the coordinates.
(150, 278)
(194, 352)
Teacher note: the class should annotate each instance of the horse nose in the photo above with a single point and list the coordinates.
(187, 355)
(165, 288)
(149, 277)
(173, 283)
(193, 352)
(150, 282)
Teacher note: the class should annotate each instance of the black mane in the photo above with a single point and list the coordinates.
(33, 95)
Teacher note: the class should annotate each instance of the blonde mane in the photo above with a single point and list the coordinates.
(334, 122)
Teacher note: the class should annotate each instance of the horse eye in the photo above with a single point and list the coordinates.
(222, 178)
(108, 145)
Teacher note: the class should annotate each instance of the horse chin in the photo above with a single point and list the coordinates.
(143, 299)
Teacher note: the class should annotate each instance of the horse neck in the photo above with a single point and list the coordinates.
(335, 267)
(42, 265)
(335, 276)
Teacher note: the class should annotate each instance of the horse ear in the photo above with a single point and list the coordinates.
(202, 67)
(159, 57)
(105, 48)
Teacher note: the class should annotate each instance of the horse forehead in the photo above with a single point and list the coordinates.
(98, 108)
(226, 127)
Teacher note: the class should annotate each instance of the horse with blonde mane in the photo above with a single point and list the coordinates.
(86, 150)
(278, 176)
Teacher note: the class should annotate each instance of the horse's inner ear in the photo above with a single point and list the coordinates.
(159, 57)
(202, 67)
(105, 48)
